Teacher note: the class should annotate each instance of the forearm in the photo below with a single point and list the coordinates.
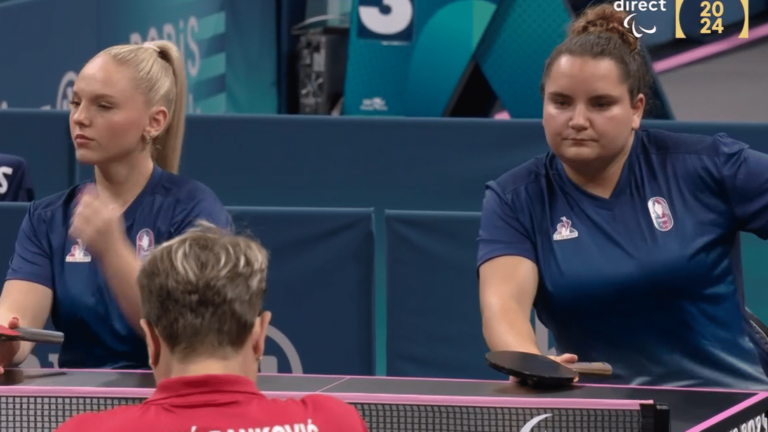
(508, 328)
(120, 268)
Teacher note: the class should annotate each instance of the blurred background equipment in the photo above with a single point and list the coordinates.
(321, 62)
(426, 58)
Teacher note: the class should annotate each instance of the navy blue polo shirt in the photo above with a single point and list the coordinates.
(97, 334)
(649, 279)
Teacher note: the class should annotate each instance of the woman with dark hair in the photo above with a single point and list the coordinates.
(624, 240)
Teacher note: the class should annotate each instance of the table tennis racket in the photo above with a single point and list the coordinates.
(540, 371)
(30, 335)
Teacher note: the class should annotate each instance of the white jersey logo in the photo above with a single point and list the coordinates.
(145, 243)
(660, 214)
(565, 230)
(78, 253)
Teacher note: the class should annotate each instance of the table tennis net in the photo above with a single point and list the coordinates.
(44, 414)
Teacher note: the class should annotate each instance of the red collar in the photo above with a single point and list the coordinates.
(199, 385)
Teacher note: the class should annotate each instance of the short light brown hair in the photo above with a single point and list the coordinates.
(202, 291)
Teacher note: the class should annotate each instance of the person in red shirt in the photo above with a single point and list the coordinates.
(201, 296)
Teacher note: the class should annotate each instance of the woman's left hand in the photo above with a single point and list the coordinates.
(95, 223)
(565, 359)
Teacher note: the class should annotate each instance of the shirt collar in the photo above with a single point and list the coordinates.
(200, 384)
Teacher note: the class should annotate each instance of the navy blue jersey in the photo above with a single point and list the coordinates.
(15, 184)
(97, 334)
(649, 279)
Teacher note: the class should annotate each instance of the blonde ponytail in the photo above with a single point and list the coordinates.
(169, 143)
(162, 77)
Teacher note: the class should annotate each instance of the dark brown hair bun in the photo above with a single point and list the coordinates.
(599, 33)
(605, 19)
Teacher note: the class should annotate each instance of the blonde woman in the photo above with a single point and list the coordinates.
(78, 252)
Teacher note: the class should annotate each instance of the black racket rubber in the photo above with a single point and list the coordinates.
(532, 370)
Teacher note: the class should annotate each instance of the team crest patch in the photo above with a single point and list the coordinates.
(565, 230)
(660, 214)
(145, 243)
(78, 253)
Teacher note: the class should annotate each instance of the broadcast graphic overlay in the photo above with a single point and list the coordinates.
(711, 17)
(659, 22)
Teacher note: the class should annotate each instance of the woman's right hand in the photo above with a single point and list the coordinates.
(8, 350)
(566, 360)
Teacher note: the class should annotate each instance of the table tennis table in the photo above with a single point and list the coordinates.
(37, 400)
